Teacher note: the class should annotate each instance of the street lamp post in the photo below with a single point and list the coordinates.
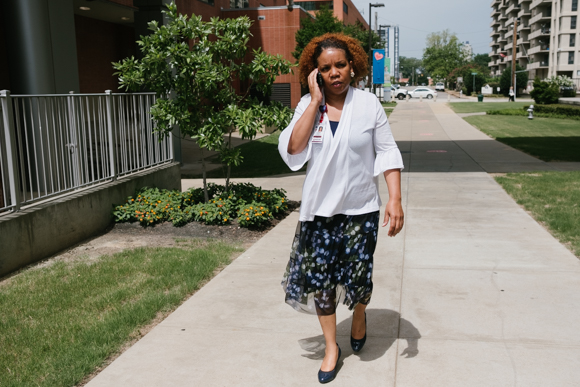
(376, 5)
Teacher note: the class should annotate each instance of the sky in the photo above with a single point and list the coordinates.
(469, 19)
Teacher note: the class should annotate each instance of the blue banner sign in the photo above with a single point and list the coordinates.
(379, 66)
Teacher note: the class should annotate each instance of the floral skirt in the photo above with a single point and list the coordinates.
(331, 262)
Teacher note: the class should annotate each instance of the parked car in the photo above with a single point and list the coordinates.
(424, 92)
(439, 86)
(399, 93)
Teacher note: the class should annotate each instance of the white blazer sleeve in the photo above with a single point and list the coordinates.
(297, 161)
(387, 152)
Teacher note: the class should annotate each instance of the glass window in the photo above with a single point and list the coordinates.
(238, 3)
(573, 22)
(210, 2)
(574, 5)
(572, 40)
(571, 57)
(313, 5)
(344, 8)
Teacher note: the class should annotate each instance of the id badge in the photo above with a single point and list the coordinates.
(317, 138)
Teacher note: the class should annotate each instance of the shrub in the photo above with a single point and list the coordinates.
(544, 93)
(152, 205)
(538, 112)
(254, 214)
(560, 110)
(508, 112)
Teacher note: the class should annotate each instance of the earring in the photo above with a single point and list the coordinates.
(352, 74)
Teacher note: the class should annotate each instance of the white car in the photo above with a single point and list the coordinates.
(399, 93)
(439, 86)
(424, 92)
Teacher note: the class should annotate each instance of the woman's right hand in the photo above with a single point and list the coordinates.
(315, 91)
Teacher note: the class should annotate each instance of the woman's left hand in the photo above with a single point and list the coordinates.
(394, 214)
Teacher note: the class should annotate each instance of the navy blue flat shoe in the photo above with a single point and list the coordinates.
(355, 344)
(325, 377)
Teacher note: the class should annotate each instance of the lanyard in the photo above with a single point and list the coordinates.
(323, 109)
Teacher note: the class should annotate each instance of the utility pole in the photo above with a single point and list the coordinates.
(514, 53)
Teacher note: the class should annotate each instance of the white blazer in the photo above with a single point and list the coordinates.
(342, 175)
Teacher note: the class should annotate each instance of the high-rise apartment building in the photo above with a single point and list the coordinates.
(545, 45)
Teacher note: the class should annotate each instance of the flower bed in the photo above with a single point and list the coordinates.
(251, 205)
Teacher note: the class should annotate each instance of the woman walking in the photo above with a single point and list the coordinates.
(344, 135)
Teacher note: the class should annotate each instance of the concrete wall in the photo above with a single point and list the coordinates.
(38, 232)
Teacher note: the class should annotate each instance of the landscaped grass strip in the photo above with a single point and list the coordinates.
(553, 198)
(549, 139)
(59, 323)
(475, 107)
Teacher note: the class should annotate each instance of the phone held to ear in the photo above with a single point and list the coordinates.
(320, 81)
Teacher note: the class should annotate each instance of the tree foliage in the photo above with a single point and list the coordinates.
(192, 65)
(406, 66)
(505, 81)
(443, 54)
(466, 72)
(545, 93)
(482, 60)
(310, 28)
(359, 32)
(326, 22)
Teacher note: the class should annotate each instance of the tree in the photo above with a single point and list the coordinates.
(359, 32)
(482, 60)
(326, 22)
(505, 81)
(466, 72)
(192, 65)
(406, 66)
(443, 54)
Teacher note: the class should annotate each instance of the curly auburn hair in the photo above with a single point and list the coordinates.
(351, 46)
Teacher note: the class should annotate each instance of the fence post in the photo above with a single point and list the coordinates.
(10, 140)
(111, 134)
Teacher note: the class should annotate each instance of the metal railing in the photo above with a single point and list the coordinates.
(54, 144)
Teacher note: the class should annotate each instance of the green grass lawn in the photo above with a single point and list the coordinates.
(550, 139)
(553, 198)
(261, 158)
(59, 323)
(475, 107)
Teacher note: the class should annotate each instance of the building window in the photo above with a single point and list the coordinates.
(571, 57)
(210, 2)
(344, 8)
(235, 4)
(313, 5)
(573, 22)
(574, 5)
(573, 40)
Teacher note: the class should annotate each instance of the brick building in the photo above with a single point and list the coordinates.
(57, 46)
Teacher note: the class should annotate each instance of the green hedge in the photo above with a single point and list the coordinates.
(561, 110)
(524, 113)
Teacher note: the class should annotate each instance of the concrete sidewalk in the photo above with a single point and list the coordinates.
(473, 292)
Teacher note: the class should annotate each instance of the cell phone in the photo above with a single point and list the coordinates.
(320, 81)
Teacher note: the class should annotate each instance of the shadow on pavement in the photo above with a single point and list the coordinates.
(385, 326)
